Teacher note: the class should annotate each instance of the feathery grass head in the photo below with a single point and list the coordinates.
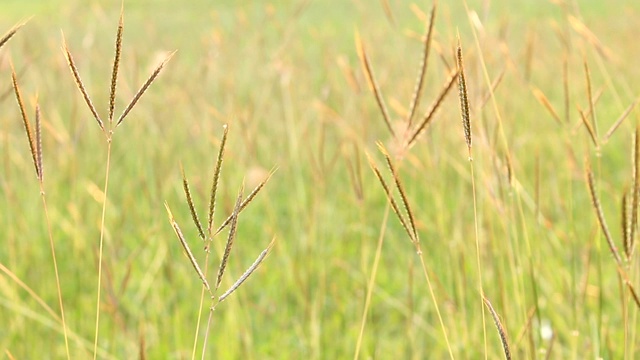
(216, 179)
(464, 100)
(35, 142)
(6, 37)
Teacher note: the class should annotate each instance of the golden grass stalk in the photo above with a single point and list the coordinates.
(216, 178)
(501, 330)
(250, 270)
(39, 145)
(466, 124)
(387, 11)
(565, 89)
(589, 127)
(492, 89)
(390, 198)
(35, 146)
(626, 221)
(417, 92)
(230, 238)
(544, 101)
(373, 85)
(246, 201)
(592, 109)
(426, 120)
(595, 201)
(403, 195)
(192, 208)
(635, 195)
(144, 88)
(116, 63)
(80, 85)
(186, 248)
(464, 101)
(10, 34)
(25, 121)
(618, 122)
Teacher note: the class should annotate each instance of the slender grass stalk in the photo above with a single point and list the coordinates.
(372, 280)
(466, 124)
(35, 145)
(108, 132)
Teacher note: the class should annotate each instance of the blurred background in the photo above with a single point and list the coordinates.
(286, 77)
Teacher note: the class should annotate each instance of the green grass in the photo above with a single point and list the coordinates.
(271, 72)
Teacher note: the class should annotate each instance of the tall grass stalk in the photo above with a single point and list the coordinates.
(108, 131)
(35, 145)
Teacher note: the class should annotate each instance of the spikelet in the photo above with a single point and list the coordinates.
(464, 101)
(216, 178)
(500, 328)
(144, 88)
(186, 248)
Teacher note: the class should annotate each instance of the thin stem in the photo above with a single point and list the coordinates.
(372, 279)
(475, 221)
(55, 270)
(206, 334)
(435, 303)
(102, 231)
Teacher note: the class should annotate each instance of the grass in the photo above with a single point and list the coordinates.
(287, 78)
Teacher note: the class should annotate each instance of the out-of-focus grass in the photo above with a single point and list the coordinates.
(272, 71)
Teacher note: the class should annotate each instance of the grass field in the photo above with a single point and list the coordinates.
(343, 279)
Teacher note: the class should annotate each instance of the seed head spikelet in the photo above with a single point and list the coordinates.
(216, 178)
(186, 248)
(230, 238)
(464, 101)
(192, 208)
(144, 88)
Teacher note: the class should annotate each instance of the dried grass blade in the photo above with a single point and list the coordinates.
(492, 90)
(565, 88)
(403, 194)
(216, 178)
(387, 11)
(246, 201)
(426, 120)
(595, 201)
(10, 34)
(39, 145)
(230, 238)
(501, 331)
(79, 84)
(390, 198)
(464, 101)
(589, 127)
(544, 101)
(592, 109)
(192, 208)
(25, 121)
(615, 125)
(186, 248)
(247, 272)
(373, 85)
(415, 99)
(144, 88)
(116, 64)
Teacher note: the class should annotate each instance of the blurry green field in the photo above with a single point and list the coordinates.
(286, 77)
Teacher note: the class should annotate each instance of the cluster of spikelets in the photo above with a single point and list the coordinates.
(34, 137)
